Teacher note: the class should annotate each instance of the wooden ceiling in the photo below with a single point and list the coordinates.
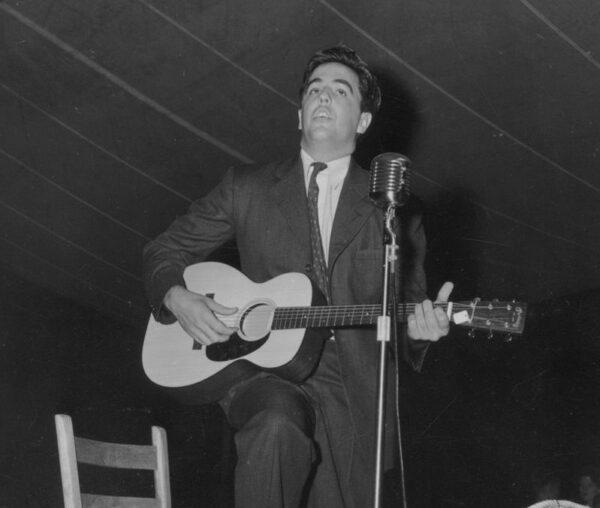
(116, 115)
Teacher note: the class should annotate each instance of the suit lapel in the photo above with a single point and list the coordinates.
(354, 207)
(289, 195)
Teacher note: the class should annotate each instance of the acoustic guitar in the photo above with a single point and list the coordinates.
(277, 330)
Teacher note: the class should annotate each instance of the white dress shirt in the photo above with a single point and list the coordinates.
(330, 181)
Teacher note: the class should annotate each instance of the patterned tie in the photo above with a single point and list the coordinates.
(316, 244)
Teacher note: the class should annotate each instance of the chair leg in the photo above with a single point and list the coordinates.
(161, 474)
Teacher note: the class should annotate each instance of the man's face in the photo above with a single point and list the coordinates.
(330, 112)
(587, 489)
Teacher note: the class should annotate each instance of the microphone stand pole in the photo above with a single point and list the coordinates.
(383, 337)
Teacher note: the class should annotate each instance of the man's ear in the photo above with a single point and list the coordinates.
(364, 122)
(300, 119)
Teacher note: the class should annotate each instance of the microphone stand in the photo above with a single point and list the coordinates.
(383, 337)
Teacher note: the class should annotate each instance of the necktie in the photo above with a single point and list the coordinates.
(316, 244)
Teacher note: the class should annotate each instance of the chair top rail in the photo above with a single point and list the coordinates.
(125, 456)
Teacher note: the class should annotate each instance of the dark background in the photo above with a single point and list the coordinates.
(115, 115)
(481, 418)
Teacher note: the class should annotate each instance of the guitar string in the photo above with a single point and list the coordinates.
(335, 313)
(345, 310)
(500, 324)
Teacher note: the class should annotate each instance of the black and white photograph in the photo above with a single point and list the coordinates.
(300, 254)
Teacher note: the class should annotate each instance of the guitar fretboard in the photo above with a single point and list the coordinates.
(335, 316)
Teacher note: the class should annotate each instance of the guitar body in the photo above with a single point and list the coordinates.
(200, 374)
(281, 328)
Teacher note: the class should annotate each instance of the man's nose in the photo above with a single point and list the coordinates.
(325, 96)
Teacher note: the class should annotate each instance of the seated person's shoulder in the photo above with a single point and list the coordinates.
(557, 503)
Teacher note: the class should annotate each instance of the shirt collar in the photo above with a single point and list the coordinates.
(336, 170)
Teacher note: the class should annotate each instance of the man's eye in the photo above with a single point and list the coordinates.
(341, 91)
(313, 91)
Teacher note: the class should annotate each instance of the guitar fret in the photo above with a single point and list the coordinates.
(292, 321)
(286, 321)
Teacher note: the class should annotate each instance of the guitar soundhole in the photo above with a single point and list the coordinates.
(235, 347)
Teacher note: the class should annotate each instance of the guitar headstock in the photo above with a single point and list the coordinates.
(490, 315)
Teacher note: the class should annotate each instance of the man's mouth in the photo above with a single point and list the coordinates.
(321, 114)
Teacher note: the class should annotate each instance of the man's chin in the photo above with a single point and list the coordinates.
(321, 133)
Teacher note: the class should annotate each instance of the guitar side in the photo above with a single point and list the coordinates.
(170, 359)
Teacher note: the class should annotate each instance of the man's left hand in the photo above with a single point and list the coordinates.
(429, 322)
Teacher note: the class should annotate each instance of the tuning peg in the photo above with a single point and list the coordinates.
(490, 335)
(508, 338)
(471, 333)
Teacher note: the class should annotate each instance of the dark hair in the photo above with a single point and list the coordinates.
(592, 471)
(369, 88)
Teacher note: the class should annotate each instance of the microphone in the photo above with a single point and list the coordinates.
(390, 179)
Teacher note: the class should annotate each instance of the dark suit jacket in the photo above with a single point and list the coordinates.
(265, 210)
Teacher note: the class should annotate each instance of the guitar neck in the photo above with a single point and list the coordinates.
(336, 316)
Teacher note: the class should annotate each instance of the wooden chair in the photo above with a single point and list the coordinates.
(73, 449)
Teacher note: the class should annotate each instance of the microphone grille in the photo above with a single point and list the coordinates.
(390, 178)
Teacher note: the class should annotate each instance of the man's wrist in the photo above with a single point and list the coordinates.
(171, 295)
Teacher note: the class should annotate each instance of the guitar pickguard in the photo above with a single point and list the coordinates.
(234, 348)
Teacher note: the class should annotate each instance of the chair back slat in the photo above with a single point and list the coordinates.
(118, 455)
(73, 449)
(97, 501)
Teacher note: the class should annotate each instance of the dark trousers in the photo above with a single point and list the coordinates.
(293, 441)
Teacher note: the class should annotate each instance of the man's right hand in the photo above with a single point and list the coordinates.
(196, 315)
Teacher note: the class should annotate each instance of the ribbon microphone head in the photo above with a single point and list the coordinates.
(390, 179)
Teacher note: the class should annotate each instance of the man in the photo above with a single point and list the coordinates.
(314, 442)
(589, 484)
